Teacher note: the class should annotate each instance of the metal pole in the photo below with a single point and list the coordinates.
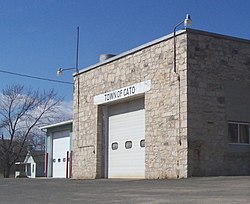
(174, 62)
(78, 85)
(179, 98)
(77, 48)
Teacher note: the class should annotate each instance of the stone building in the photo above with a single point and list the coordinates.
(135, 115)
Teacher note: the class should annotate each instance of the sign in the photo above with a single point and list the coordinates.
(124, 92)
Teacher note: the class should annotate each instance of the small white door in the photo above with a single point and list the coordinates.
(127, 140)
(61, 144)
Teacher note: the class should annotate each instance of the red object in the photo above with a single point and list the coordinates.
(67, 165)
(70, 163)
(46, 164)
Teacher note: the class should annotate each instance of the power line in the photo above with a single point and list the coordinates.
(35, 77)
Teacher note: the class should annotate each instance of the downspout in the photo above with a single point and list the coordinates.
(179, 142)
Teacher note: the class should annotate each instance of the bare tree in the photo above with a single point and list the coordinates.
(21, 111)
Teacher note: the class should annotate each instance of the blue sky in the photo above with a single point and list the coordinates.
(38, 36)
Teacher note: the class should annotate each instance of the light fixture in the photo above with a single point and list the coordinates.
(60, 70)
(76, 87)
(77, 84)
(187, 22)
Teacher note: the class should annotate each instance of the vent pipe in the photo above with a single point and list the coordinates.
(104, 57)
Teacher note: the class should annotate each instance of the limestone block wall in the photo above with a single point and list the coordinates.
(218, 91)
(165, 110)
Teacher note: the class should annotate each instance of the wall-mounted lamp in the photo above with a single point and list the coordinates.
(61, 70)
(187, 22)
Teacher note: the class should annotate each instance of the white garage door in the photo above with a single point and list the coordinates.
(61, 144)
(127, 140)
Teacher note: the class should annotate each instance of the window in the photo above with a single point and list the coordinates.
(128, 144)
(114, 146)
(238, 132)
(142, 143)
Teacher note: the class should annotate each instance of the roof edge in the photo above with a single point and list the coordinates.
(56, 124)
(164, 38)
(136, 49)
(218, 35)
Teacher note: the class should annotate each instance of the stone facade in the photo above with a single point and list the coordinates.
(186, 112)
(218, 92)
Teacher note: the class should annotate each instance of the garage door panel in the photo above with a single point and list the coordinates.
(61, 144)
(123, 127)
(127, 107)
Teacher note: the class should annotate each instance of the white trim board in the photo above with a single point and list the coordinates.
(123, 92)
